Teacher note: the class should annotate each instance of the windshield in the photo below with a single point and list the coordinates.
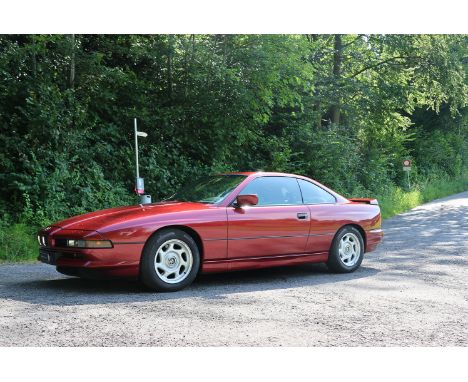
(209, 189)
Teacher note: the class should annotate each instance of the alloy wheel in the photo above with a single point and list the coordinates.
(173, 261)
(349, 249)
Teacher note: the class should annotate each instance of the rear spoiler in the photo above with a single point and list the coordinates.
(365, 201)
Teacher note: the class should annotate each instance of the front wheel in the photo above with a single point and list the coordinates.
(347, 251)
(170, 261)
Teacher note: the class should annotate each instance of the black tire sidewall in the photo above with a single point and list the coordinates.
(148, 275)
(334, 261)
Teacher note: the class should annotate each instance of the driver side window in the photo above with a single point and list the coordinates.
(274, 190)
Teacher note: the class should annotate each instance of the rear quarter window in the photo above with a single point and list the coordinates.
(313, 194)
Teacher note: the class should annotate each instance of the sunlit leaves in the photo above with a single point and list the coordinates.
(214, 103)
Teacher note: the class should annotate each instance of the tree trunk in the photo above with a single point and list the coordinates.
(317, 104)
(72, 62)
(337, 61)
(189, 56)
(318, 109)
(34, 58)
(169, 66)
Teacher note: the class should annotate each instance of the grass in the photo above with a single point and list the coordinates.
(397, 200)
(18, 241)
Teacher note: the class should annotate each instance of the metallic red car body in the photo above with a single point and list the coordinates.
(228, 238)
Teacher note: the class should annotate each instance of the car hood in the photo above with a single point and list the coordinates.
(95, 221)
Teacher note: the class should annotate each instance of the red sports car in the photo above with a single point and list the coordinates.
(219, 223)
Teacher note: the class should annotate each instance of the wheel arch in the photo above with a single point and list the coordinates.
(358, 227)
(188, 230)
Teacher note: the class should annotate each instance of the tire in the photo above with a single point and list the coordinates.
(170, 261)
(348, 257)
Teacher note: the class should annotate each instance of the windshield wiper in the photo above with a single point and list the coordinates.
(169, 198)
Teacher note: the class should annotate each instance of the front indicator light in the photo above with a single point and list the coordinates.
(89, 243)
(41, 239)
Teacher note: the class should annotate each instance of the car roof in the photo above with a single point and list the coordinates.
(252, 174)
(265, 173)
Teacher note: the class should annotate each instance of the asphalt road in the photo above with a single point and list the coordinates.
(412, 291)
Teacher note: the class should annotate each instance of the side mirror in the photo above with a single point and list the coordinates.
(246, 200)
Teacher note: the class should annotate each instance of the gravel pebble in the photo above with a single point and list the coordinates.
(412, 291)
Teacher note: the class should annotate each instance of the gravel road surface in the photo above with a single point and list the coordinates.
(412, 291)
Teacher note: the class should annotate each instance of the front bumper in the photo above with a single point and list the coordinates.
(122, 260)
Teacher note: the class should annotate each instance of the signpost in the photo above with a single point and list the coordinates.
(407, 168)
(139, 182)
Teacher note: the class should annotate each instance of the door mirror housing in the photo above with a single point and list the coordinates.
(246, 200)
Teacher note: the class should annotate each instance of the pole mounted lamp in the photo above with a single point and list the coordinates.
(140, 182)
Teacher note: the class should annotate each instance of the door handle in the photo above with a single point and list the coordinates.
(302, 215)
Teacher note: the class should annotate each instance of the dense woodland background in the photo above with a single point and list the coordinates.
(343, 109)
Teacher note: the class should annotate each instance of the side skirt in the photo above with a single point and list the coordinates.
(236, 264)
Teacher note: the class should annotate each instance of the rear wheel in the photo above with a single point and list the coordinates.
(347, 251)
(170, 261)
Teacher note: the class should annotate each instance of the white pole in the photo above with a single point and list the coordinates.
(136, 149)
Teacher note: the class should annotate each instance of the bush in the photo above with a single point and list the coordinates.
(17, 242)
(396, 200)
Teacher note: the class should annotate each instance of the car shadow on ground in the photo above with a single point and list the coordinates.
(69, 291)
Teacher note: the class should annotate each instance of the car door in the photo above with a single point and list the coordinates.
(278, 225)
(323, 220)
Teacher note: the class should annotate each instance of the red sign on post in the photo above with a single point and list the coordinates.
(406, 165)
(139, 186)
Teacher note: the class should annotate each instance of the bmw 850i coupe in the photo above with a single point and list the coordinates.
(218, 223)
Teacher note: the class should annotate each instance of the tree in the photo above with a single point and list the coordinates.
(342, 108)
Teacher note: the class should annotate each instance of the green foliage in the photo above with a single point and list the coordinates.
(343, 109)
(396, 200)
(17, 242)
